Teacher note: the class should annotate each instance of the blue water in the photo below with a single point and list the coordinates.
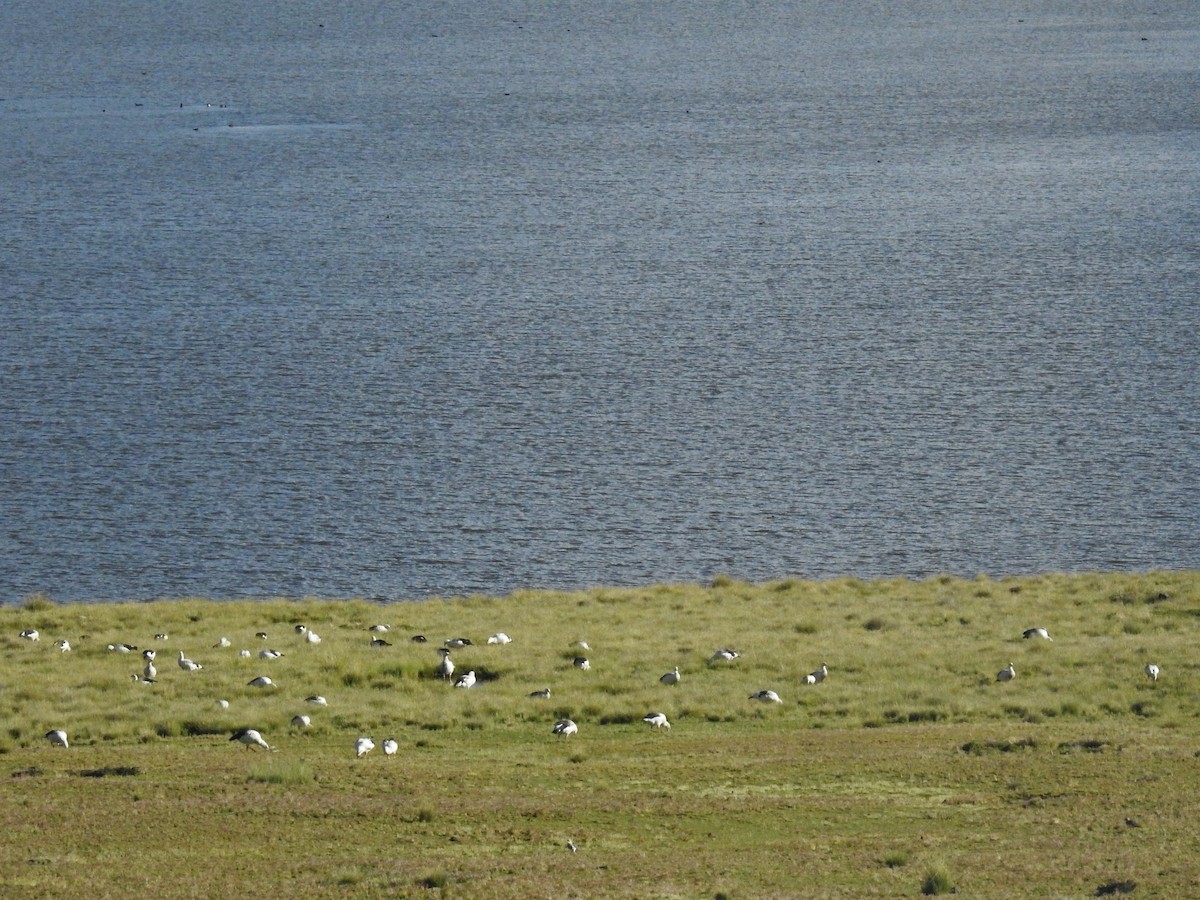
(403, 300)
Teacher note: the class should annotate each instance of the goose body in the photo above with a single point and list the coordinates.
(262, 681)
(1152, 671)
(724, 655)
(1007, 674)
(445, 667)
(57, 737)
(251, 738)
(363, 746)
(380, 628)
(63, 644)
(301, 721)
(543, 694)
(465, 681)
(581, 662)
(187, 665)
(269, 654)
(499, 638)
(30, 634)
(148, 670)
(565, 727)
(390, 747)
(457, 643)
(671, 677)
(657, 720)
(1037, 633)
(312, 637)
(316, 700)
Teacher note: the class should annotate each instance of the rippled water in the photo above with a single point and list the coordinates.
(411, 299)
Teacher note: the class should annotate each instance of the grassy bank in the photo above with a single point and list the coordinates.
(909, 769)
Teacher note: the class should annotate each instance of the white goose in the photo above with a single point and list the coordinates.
(581, 663)
(390, 747)
(465, 681)
(657, 720)
(1037, 633)
(187, 665)
(312, 637)
(57, 737)
(818, 676)
(30, 634)
(262, 681)
(63, 644)
(724, 655)
(1152, 671)
(316, 700)
(149, 671)
(565, 727)
(251, 738)
(499, 638)
(445, 668)
(301, 721)
(363, 746)
(671, 677)
(1007, 674)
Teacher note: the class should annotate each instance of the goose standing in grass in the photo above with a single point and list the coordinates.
(251, 738)
(301, 721)
(149, 671)
(261, 681)
(465, 681)
(671, 677)
(565, 727)
(390, 747)
(724, 655)
(818, 676)
(445, 668)
(1007, 674)
(57, 737)
(1042, 633)
(1152, 671)
(30, 634)
(63, 644)
(581, 663)
(657, 720)
(312, 637)
(363, 746)
(499, 638)
(187, 665)
(766, 697)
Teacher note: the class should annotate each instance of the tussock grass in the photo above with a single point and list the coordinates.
(910, 752)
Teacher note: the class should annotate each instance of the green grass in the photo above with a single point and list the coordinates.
(909, 770)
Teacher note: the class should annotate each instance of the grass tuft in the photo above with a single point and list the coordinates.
(937, 880)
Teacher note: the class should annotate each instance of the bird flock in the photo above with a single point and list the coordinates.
(444, 669)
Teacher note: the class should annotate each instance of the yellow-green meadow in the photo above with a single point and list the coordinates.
(910, 769)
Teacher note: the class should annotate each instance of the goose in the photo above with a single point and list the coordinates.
(724, 655)
(261, 635)
(312, 637)
(766, 697)
(390, 747)
(161, 636)
(671, 677)
(499, 638)
(363, 746)
(148, 670)
(1036, 633)
(250, 738)
(149, 654)
(380, 628)
(657, 720)
(244, 654)
(119, 648)
(269, 654)
(465, 681)
(445, 668)
(565, 727)
(1152, 671)
(301, 721)
(223, 704)
(57, 737)
(581, 662)
(187, 665)
(379, 642)
(316, 700)
(142, 679)
(457, 643)
(223, 642)
(261, 681)
(543, 694)
(419, 639)
(582, 645)
(818, 676)
(571, 846)
(63, 644)
(300, 629)
(30, 634)
(1007, 674)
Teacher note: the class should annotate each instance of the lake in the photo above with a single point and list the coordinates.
(417, 299)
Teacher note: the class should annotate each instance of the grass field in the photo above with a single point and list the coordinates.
(909, 770)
